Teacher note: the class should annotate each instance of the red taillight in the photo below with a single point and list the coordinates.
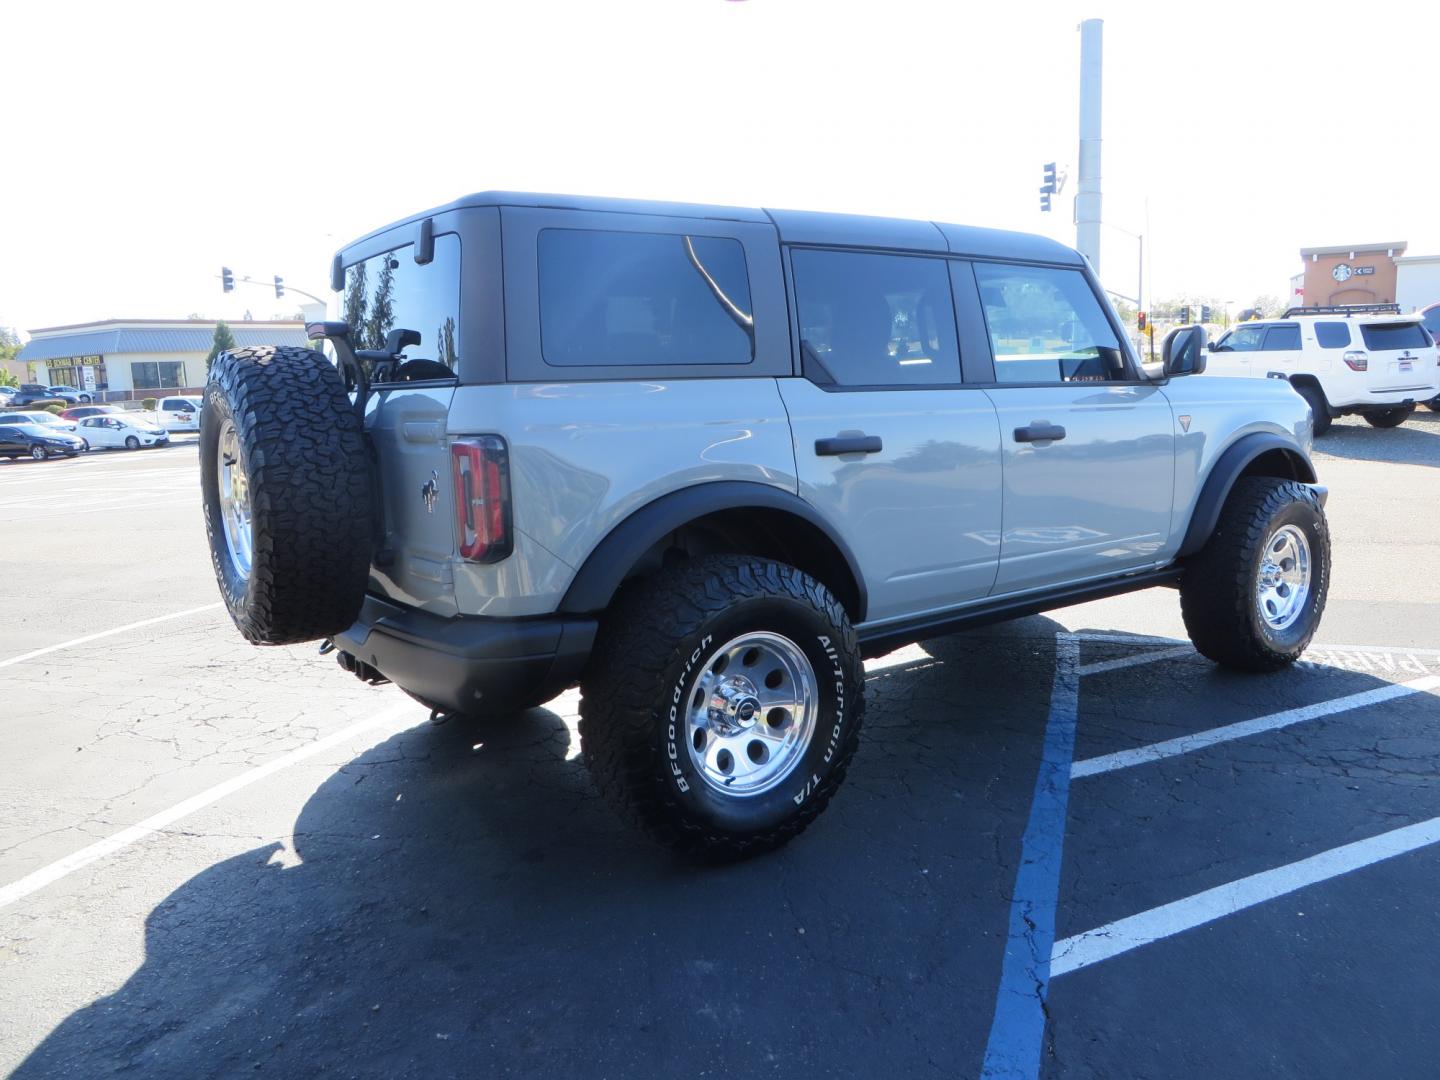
(481, 468)
(1356, 360)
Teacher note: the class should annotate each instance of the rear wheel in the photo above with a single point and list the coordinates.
(1253, 596)
(1319, 410)
(1433, 404)
(286, 493)
(722, 704)
(1390, 417)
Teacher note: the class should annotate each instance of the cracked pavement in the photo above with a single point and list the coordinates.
(454, 899)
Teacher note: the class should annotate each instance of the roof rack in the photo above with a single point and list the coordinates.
(1345, 309)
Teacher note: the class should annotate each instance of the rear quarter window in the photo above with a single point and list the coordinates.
(1382, 336)
(621, 299)
(1332, 335)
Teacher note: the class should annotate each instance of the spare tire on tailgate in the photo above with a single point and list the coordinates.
(286, 490)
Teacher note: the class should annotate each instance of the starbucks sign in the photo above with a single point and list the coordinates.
(1344, 271)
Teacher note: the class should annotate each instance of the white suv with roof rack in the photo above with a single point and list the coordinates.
(1362, 358)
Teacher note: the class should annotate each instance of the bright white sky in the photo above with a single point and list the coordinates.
(148, 143)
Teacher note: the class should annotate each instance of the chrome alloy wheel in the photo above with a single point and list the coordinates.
(1283, 583)
(751, 714)
(235, 501)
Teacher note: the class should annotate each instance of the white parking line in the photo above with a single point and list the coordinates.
(1112, 939)
(1135, 661)
(1186, 744)
(107, 633)
(48, 875)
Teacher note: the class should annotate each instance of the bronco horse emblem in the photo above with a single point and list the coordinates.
(431, 491)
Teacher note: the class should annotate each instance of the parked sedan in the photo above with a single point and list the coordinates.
(80, 412)
(70, 394)
(114, 431)
(39, 441)
(47, 419)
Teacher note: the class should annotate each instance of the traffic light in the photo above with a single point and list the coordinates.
(1140, 320)
(1185, 315)
(227, 279)
(1048, 188)
(1204, 313)
(279, 286)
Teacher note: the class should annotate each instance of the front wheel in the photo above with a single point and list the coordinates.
(1390, 417)
(722, 704)
(132, 443)
(1253, 596)
(38, 453)
(1433, 404)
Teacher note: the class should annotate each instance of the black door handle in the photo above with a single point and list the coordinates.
(1040, 433)
(848, 444)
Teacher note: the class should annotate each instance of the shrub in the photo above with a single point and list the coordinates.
(148, 404)
(55, 410)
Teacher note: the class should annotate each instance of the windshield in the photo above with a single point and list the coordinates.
(1394, 335)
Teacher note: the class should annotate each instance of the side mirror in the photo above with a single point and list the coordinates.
(1184, 351)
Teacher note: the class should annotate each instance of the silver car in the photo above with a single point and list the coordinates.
(702, 460)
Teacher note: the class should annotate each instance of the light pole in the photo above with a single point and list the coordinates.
(1139, 296)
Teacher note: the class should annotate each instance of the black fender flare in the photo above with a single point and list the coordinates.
(607, 566)
(1233, 461)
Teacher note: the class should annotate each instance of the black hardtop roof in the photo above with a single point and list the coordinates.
(793, 226)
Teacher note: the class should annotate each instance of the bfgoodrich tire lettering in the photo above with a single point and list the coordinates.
(1219, 593)
(641, 676)
(301, 446)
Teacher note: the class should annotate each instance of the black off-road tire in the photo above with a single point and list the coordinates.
(652, 645)
(1433, 404)
(1218, 592)
(310, 491)
(1319, 410)
(1390, 417)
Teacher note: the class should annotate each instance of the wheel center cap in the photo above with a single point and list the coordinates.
(734, 706)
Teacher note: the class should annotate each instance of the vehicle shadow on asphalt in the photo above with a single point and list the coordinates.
(464, 904)
(1416, 442)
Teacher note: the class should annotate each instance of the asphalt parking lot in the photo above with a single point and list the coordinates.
(1069, 847)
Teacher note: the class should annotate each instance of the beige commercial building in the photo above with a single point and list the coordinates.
(1354, 274)
(119, 359)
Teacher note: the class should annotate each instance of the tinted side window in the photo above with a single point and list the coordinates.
(876, 320)
(1332, 335)
(391, 291)
(1284, 337)
(1432, 322)
(1242, 339)
(625, 299)
(1381, 336)
(1046, 326)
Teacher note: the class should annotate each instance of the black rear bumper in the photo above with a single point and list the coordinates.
(470, 664)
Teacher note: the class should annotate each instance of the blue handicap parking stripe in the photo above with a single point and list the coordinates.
(1017, 1032)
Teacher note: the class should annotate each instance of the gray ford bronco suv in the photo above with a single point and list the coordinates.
(702, 460)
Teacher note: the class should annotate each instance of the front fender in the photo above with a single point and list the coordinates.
(1228, 468)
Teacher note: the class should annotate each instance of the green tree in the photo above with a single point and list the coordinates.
(10, 346)
(356, 301)
(1268, 306)
(445, 343)
(223, 340)
(382, 306)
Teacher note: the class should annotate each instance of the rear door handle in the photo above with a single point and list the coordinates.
(1040, 432)
(848, 444)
